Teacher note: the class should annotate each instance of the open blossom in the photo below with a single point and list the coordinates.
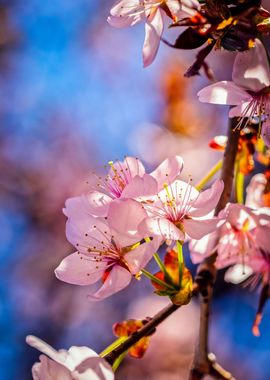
(235, 239)
(249, 90)
(78, 363)
(129, 12)
(108, 249)
(180, 209)
(128, 179)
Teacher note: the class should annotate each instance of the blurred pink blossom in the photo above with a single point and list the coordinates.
(249, 90)
(78, 363)
(129, 12)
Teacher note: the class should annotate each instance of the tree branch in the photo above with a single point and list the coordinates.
(206, 272)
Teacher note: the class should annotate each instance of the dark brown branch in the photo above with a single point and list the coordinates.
(206, 273)
(146, 330)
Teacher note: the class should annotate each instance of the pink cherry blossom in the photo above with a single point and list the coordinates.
(107, 247)
(130, 12)
(180, 209)
(128, 179)
(249, 89)
(235, 239)
(78, 363)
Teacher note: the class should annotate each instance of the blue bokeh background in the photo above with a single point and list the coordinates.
(73, 95)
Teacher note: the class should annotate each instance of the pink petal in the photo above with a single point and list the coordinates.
(80, 270)
(139, 257)
(87, 232)
(199, 249)
(98, 203)
(140, 186)
(242, 109)
(251, 68)
(207, 200)
(153, 32)
(224, 92)
(161, 227)
(93, 368)
(128, 169)
(124, 8)
(48, 369)
(118, 279)
(124, 216)
(197, 229)
(262, 238)
(168, 170)
(123, 22)
(255, 191)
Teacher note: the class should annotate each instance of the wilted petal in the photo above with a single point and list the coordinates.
(80, 270)
(168, 170)
(224, 92)
(207, 199)
(153, 32)
(251, 68)
(46, 349)
(117, 280)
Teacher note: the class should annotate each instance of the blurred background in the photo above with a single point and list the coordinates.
(74, 95)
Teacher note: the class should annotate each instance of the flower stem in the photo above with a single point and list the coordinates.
(146, 330)
(181, 264)
(112, 346)
(156, 280)
(239, 184)
(209, 175)
(206, 272)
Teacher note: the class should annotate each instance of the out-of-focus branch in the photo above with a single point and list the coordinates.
(206, 272)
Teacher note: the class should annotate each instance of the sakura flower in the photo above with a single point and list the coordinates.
(179, 209)
(128, 179)
(78, 363)
(249, 89)
(130, 12)
(108, 249)
(235, 239)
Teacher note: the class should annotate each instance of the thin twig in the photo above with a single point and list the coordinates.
(206, 273)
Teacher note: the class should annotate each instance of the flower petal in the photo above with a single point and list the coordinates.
(243, 109)
(238, 273)
(224, 92)
(139, 257)
(124, 216)
(46, 368)
(46, 349)
(197, 229)
(153, 31)
(199, 249)
(251, 68)
(98, 203)
(168, 170)
(207, 199)
(140, 186)
(161, 227)
(80, 270)
(117, 279)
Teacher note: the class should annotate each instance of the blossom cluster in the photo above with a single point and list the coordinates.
(118, 226)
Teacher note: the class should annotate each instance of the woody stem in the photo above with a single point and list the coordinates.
(206, 272)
